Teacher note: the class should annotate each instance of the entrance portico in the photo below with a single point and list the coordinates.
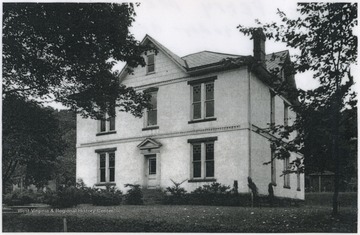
(150, 149)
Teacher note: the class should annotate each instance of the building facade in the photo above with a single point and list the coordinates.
(202, 127)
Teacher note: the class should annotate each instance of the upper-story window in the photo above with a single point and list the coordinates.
(106, 125)
(272, 108)
(152, 112)
(202, 100)
(150, 63)
(286, 114)
(151, 121)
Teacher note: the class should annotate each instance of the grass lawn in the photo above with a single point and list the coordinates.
(165, 218)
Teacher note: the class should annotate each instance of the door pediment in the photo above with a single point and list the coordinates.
(149, 144)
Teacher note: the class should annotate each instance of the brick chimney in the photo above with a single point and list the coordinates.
(259, 46)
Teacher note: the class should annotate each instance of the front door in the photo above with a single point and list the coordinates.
(152, 171)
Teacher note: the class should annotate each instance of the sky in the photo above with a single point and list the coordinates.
(186, 26)
(189, 26)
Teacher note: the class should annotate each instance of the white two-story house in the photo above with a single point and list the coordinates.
(202, 128)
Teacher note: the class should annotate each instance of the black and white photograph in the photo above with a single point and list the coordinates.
(202, 116)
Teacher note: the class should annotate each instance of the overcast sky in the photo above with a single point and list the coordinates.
(189, 26)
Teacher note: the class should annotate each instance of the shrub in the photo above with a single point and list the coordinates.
(177, 194)
(214, 188)
(106, 197)
(18, 197)
(85, 193)
(215, 194)
(63, 198)
(134, 195)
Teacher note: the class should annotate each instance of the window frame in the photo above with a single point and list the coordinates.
(206, 100)
(152, 64)
(298, 188)
(202, 142)
(286, 114)
(203, 99)
(152, 93)
(196, 102)
(152, 90)
(109, 123)
(272, 108)
(286, 176)
(152, 159)
(107, 153)
(273, 166)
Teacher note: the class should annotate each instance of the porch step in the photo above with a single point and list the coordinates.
(152, 196)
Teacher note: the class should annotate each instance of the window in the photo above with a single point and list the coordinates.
(286, 114)
(273, 166)
(150, 65)
(298, 181)
(286, 174)
(209, 160)
(209, 100)
(272, 108)
(150, 117)
(152, 166)
(152, 112)
(107, 125)
(202, 100)
(106, 165)
(202, 158)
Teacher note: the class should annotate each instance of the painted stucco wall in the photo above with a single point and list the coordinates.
(260, 148)
(230, 150)
(260, 102)
(231, 128)
(174, 106)
(261, 174)
(165, 70)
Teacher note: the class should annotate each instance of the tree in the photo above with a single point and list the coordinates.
(324, 36)
(31, 141)
(66, 52)
(65, 172)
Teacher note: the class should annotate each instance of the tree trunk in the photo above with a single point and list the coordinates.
(335, 147)
(335, 154)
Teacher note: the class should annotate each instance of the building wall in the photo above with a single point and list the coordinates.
(260, 102)
(165, 70)
(174, 104)
(231, 161)
(260, 147)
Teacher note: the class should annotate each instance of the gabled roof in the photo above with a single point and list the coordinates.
(166, 51)
(205, 61)
(276, 59)
(206, 58)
